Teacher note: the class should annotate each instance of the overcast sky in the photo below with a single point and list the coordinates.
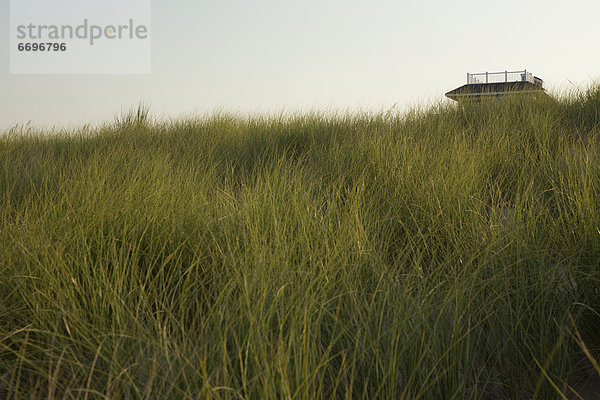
(273, 55)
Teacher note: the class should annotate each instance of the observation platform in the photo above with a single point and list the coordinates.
(487, 85)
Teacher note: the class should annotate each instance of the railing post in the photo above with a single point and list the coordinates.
(468, 78)
(505, 76)
(486, 77)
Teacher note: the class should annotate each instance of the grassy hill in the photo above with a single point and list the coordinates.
(449, 252)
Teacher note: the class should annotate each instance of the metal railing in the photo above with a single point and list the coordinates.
(501, 77)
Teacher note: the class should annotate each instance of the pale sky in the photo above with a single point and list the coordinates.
(270, 56)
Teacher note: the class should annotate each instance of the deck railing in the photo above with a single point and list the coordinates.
(501, 77)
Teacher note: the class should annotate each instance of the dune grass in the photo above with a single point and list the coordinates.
(446, 253)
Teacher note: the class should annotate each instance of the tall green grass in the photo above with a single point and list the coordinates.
(445, 253)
